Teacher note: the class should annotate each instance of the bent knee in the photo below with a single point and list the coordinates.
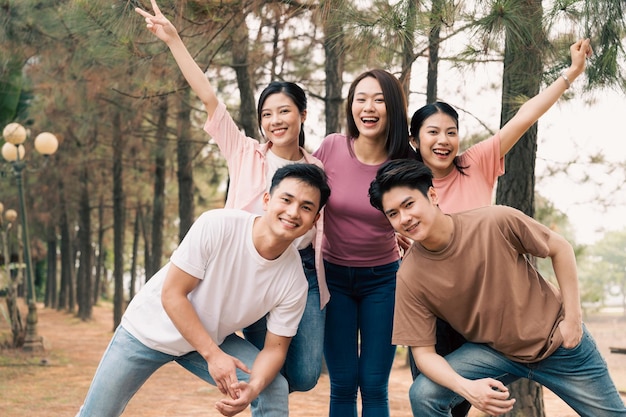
(303, 383)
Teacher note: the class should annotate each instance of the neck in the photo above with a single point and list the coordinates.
(290, 153)
(370, 151)
(442, 235)
(266, 243)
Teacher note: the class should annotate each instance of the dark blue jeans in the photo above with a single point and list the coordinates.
(357, 344)
(303, 364)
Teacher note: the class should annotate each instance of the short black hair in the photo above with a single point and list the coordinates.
(309, 174)
(399, 173)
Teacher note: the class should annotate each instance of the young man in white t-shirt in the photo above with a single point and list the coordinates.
(231, 269)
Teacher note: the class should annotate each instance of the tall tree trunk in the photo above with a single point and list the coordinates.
(133, 263)
(146, 241)
(66, 297)
(158, 204)
(185, 167)
(119, 214)
(333, 65)
(523, 68)
(433, 51)
(100, 256)
(408, 45)
(247, 108)
(51, 300)
(84, 278)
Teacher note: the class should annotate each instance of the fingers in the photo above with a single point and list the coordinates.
(233, 390)
(230, 407)
(583, 45)
(242, 366)
(155, 8)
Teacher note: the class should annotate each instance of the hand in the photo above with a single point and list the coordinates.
(158, 24)
(403, 242)
(489, 396)
(579, 52)
(223, 369)
(230, 407)
(572, 332)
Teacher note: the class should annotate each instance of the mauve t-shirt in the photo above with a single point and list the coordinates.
(355, 233)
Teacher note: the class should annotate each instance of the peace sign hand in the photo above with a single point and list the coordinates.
(158, 24)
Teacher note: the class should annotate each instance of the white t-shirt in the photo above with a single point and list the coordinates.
(238, 286)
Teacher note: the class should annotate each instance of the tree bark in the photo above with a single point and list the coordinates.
(66, 295)
(432, 74)
(133, 264)
(51, 274)
(119, 214)
(184, 147)
(408, 45)
(158, 204)
(522, 76)
(84, 280)
(101, 252)
(247, 107)
(333, 65)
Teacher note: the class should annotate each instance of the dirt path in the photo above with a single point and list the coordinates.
(57, 388)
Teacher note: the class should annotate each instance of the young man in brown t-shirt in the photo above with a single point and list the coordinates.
(516, 323)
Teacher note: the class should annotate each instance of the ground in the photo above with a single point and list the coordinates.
(54, 382)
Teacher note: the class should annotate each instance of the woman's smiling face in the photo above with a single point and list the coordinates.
(439, 143)
(369, 109)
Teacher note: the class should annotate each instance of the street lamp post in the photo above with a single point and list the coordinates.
(6, 222)
(13, 151)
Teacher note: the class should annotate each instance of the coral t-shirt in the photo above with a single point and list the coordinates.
(458, 192)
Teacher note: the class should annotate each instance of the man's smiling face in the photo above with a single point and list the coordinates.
(292, 208)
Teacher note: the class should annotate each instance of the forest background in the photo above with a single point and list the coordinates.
(134, 167)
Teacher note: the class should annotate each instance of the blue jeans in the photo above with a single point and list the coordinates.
(357, 345)
(127, 364)
(579, 376)
(303, 365)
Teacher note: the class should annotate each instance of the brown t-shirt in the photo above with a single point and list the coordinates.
(483, 285)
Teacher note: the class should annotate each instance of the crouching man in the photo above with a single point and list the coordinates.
(517, 325)
(231, 269)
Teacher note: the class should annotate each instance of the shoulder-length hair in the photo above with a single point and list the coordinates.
(397, 129)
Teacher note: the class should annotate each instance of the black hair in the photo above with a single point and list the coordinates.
(399, 173)
(291, 90)
(397, 141)
(424, 113)
(309, 174)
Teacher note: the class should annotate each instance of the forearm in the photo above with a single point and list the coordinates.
(193, 74)
(268, 362)
(437, 369)
(186, 320)
(564, 265)
(535, 107)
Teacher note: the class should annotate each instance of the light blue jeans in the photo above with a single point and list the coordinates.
(357, 344)
(579, 376)
(303, 365)
(127, 364)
